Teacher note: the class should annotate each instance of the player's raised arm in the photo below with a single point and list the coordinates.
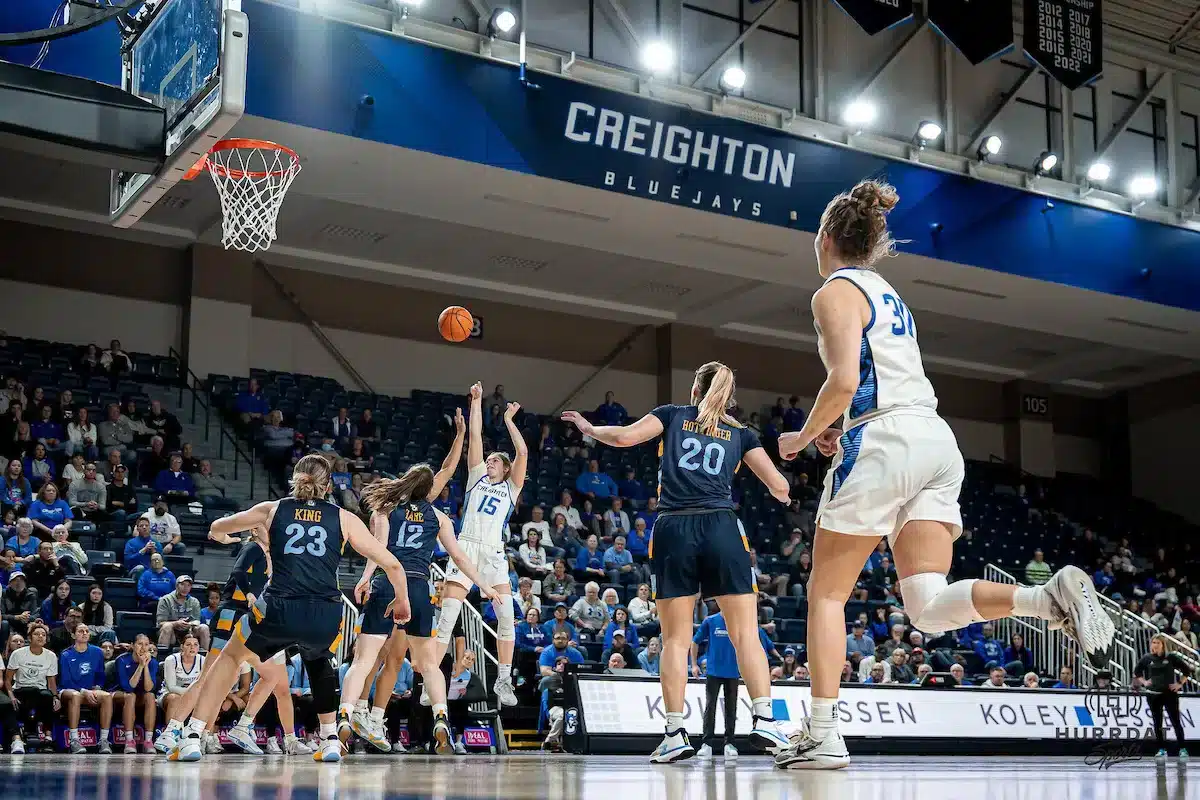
(521, 449)
(367, 545)
(645, 429)
(450, 464)
(257, 516)
(475, 440)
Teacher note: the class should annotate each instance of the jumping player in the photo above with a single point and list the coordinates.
(403, 517)
(494, 486)
(699, 546)
(304, 536)
(897, 474)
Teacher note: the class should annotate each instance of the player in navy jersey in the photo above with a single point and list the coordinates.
(699, 547)
(304, 536)
(897, 474)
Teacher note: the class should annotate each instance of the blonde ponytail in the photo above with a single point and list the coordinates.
(714, 382)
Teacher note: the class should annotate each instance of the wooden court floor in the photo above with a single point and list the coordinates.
(528, 776)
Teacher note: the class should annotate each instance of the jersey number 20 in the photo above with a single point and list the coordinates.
(296, 532)
(714, 456)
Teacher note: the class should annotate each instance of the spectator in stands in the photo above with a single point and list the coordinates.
(8, 715)
(590, 614)
(989, 647)
(959, 674)
(445, 503)
(65, 411)
(212, 594)
(560, 646)
(137, 674)
(178, 614)
(155, 583)
(884, 651)
(559, 585)
(632, 490)
(1186, 634)
(89, 362)
(594, 483)
(789, 661)
(32, 679)
(208, 483)
(619, 646)
(115, 361)
(15, 641)
(73, 470)
(878, 674)
(1037, 571)
(154, 461)
(996, 676)
(1104, 578)
(1018, 657)
(619, 566)
(343, 429)
(118, 433)
(643, 611)
(62, 636)
(610, 412)
(38, 467)
(250, 404)
(88, 496)
(174, 482)
(24, 444)
(98, 616)
(107, 468)
(621, 622)
(8, 564)
(191, 464)
(120, 500)
(589, 562)
(82, 436)
(367, 428)
(775, 585)
(47, 431)
(525, 598)
(531, 636)
(533, 555)
(1030, 681)
(859, 642)
(565, 508)
(164, 424)
(13, 392)
(616, 521)
(20, 604)
(180, 671)
(611, 599)
(638, 541)
(164, 528)
(23, 542)
(559, 622)
(793, 415)
(901, 671)
(139, 549)
(70, 555)
(15, 491)
(799, 573)
(81, 669)
(44, 572)
(651, 656)
(1066, 679)
(358, 456)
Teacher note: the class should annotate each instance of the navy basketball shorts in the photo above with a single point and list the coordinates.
(225, 622)
(277, 623)
(375, 620)
(700, 552)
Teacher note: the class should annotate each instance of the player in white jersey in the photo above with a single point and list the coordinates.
(897, 474)
(493, 486)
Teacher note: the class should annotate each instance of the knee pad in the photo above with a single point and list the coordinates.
(506, 625)
(451, 608)
(934, 607)
(323, 679)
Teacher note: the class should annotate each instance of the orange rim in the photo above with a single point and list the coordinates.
(237, 174)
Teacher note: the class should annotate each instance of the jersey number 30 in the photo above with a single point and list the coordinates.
(296, 532)
(904, 318)
(714, 456)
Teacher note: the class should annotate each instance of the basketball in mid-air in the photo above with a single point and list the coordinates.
(455, 324)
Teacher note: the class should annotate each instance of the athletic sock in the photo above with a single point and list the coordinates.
(246, 721)
(439, 709)
(361, 705)
(674, 721)
(823, 720)
(73, 733)
(346, 708)
(377, 713)
(288, 738)
(104, 734)
(504, 672)
(174, 726)
(328, 730)
(195, 728)
(1033, 601)
(762, 708)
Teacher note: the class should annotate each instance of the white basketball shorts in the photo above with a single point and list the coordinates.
(489, 561)
(891, 470)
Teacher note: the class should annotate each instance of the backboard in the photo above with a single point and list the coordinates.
(191, 60)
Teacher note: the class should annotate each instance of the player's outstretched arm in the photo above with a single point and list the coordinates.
(645, 429)
(761, 465)
(450, 464)
(379, 529)
(446, 537)
(475, 432)
(368, 546)
(222, 529)
(521, 461)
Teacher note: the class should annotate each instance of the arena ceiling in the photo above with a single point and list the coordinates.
(405, 218)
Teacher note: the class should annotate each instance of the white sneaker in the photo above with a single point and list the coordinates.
(18, 747)
(298, 747)
(190, 748)
(504, 692)
(731, 752)
(398, 748)
(273, 748)
(443, 744)
(674, 747)
(425, 701)
(370, 731)
(212, 745)
(166, 741)
(767, 736)
(1083, 618)
(805, 752)
(705, 752)
(330, 750)
(76, 747)
(243, 739)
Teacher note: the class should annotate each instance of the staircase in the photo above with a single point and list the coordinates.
(247, 483)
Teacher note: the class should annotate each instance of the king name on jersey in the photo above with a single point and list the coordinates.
(307, 515)
(692, 426)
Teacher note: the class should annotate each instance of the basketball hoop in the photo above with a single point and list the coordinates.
(252, 176)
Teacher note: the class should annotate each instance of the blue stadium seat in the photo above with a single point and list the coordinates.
(121, 594)
(131, 623)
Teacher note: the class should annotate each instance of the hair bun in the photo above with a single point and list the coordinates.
(871, 195)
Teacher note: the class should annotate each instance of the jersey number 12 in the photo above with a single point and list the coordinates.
(414, 531)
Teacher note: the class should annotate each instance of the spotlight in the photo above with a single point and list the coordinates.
(991, 146)
(658, 57)
(859, 114)
(502, 21)
(927, 132)
(1045, 163)
(1143, 186)
(734, 78)
(1098, 172)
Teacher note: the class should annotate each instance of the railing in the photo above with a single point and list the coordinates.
(202, 399)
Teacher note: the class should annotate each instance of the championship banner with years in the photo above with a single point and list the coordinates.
(1066, 39)
(874, 16)
(979, 29)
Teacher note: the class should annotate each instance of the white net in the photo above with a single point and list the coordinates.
(251, 182)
